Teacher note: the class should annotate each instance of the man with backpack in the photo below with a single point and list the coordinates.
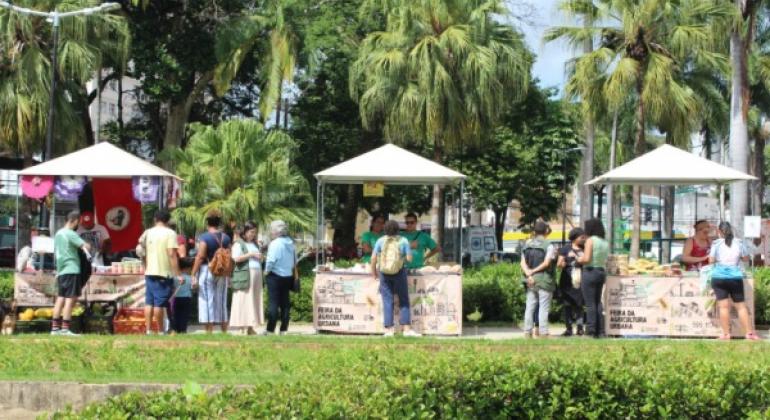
(211, 271)
(537, 268)
(388, 257)
(162, 267)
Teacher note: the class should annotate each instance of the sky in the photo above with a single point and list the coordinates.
(551, 58)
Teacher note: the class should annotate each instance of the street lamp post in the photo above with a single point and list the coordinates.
(54, 18)
(565, 152)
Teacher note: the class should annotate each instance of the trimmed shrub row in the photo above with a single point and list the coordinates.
(544, 381)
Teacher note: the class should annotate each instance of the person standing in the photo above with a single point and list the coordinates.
(96, 235)
(696, 249)
(368, 239)
(389, 256)
(569, 288)
(162, 267)
(537, 266)
(66, 245)
(280, 269)
(594, 262)
(419, 242)
(247, 313)
(727, 280)
(212, 293)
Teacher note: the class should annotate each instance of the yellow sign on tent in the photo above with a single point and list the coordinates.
(374, 189)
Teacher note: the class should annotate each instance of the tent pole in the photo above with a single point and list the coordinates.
(16, 222)
(460, 222)
(323, 227)
(318, 222)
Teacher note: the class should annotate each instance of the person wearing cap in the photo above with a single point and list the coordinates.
(95, 235)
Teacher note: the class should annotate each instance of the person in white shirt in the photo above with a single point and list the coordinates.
(95, 235)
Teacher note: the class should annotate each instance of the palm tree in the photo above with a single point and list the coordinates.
(244, 171)
(268, 30)
(25, 72)
(439, 74)
(741, 42)
(642, 53)
(586, 87)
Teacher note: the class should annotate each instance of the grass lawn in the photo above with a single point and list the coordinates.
(221, 359)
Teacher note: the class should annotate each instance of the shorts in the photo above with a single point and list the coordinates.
(68, 285)
(157, 291)
(724, 288)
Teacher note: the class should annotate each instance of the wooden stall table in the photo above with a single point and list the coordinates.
(38, 288)
(350, 302)
(642, 306)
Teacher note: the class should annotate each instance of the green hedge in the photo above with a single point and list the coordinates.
(588, 381)
(6, 284)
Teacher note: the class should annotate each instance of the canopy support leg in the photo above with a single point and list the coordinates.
(460, 222)
(318, 205)
(16, 221)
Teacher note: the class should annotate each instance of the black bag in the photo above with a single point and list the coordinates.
(85, 269)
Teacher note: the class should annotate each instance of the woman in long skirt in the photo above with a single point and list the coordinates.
(247, 313)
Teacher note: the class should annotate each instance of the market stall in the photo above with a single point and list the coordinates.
(642, 298)
(110, 185)
(348, 301)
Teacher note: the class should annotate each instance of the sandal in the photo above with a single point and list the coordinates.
(724, 337)
(752, 336)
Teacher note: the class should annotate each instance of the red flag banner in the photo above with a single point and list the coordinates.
(118, 211)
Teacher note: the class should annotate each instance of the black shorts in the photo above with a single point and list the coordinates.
(724, 288)
(68, 285)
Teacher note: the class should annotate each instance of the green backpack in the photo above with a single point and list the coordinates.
(241, 276)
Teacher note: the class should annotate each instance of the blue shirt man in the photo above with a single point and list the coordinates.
(281, 257)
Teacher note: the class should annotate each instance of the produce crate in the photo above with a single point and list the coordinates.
(99, 324)
(123, 324)
(36, 326)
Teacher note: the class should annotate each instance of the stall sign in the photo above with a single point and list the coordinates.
(374, 189)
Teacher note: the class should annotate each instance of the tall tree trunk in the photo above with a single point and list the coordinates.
(739, 110)
(345, 225)
(587, 163)
(179, 112)
(611, 214)
(501, 214)
(437, 203)
(639, 145)
(758, 186)
(121, 135)
(668, 221)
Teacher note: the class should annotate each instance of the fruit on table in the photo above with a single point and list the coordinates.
(77, 311)
(43, 313)
(27, 315)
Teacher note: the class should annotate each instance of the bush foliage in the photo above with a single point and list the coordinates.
(516, 380)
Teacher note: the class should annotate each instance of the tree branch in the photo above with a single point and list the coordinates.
(92, 95)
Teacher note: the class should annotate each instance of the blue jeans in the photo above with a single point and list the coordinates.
(539, 300)
(390, 285)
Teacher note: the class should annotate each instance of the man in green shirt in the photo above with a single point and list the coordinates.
(419, 241)
(66, 245)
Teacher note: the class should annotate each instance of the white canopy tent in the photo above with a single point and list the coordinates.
(102, 160)
(390, 165)
(669, 165)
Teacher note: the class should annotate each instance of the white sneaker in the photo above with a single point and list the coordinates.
(388, 334)
(55, 332)
(282, 333)
(412, 333)
(68, 333)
